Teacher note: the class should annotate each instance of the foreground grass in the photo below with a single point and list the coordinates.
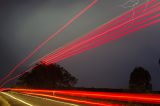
(3, 102)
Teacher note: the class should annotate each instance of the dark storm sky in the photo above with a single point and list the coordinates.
(26, 23)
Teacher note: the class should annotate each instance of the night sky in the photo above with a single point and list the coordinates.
(26, 23)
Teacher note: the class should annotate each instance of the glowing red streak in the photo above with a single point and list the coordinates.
(48, 39)
(121, 31)
(73, 51)
(98, 42)
(113, 21)
(74, 100)
(142, 98)
(99, 35)
(17, 76)
(44, 59)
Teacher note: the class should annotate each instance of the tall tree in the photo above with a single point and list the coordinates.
(51, 76)
(140, 80)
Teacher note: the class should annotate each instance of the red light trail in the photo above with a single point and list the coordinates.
(47, 40)
(108, 24)
(103, 41)
(111, 36)
(52, 57)
(114, 29)
(131, 97)
(17, 76)
(108, 39)
(73, 100)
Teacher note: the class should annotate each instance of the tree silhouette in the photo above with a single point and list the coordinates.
(140, 80)
(47, 77)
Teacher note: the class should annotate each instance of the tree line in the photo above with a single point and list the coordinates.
(54, 76)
